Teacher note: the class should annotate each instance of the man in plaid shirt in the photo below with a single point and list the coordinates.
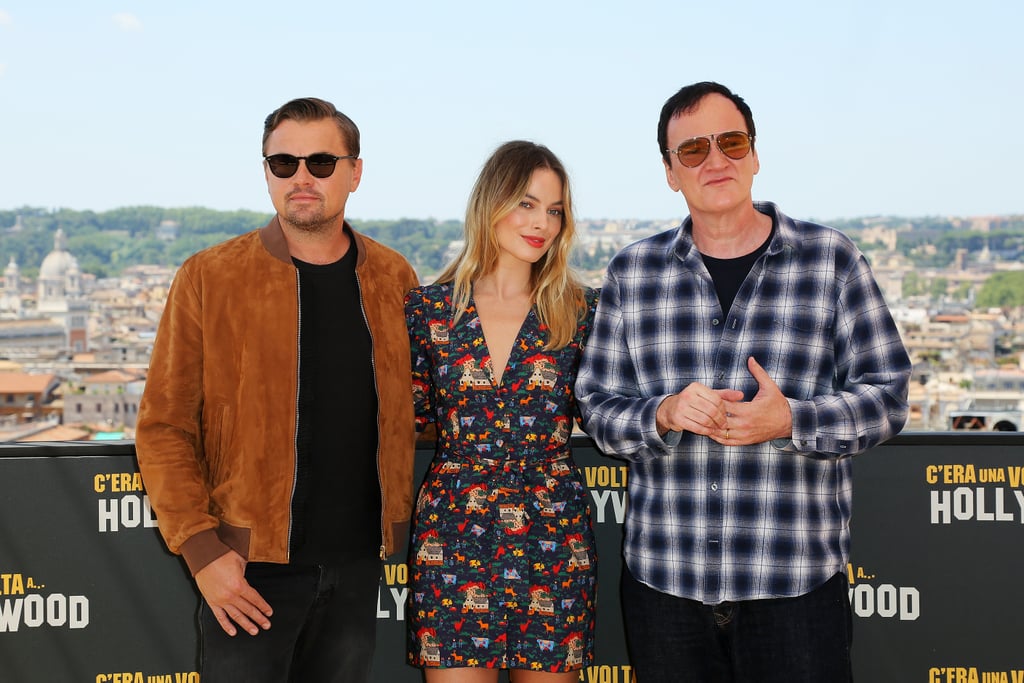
(738, 362)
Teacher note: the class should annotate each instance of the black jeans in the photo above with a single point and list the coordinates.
(805, 639)
(323, 628)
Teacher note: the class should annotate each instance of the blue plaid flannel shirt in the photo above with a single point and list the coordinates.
(715, 523)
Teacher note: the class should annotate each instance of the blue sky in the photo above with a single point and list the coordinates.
(862, 107)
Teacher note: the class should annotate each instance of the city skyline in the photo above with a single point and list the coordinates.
(74, 346)
(858, 108)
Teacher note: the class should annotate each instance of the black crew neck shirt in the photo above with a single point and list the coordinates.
(336, 505)
(728, 274)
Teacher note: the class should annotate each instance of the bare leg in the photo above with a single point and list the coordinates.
(466, 674)
(524, 676)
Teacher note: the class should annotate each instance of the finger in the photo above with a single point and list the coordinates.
(698, 428)
(697, 423)
(759, 373)
(713, 414)
(242, 619)
(257, 615)
(719, 437)
(730, 395)
(222, 619)
(252, 596)
(719, 420)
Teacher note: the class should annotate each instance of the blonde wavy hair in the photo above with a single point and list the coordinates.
(557, 294)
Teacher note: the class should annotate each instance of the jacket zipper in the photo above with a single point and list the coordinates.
(376, 389)
(298, 391)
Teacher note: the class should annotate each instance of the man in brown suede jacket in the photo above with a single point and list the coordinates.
(275, 436)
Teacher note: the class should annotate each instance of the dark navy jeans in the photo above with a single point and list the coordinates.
(323, 629)
(805, 639)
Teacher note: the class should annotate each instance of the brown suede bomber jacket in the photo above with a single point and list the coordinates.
(215, 436)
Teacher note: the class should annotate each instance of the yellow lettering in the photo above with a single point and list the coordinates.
(118, 482)
(1014, 472)
(13, 584)
(603, 673)
(396, 574)
(603, 476)
(950, 474)
(991, 475)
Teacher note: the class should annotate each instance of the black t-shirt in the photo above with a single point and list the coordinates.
(728, 274)
(336, 506)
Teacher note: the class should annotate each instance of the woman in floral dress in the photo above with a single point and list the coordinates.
(503, 562)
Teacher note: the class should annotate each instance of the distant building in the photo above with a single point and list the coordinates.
(60, 294)
(26, 397)
(32, 338)
(995, 401)
(10, 300)
(108, 398)
(120, 353)
(1001, 389)
(167, 231)
(17, 227)
(956, 341)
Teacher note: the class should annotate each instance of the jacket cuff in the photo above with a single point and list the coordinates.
(202, 549)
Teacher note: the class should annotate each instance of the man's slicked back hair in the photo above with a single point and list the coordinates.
(307, 109)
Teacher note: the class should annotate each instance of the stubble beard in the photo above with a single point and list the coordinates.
(311, 220)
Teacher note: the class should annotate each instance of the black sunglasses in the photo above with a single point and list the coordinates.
(319, 165)
(734, 144)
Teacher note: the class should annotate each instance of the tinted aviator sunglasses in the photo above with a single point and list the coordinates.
(319, 165)
(734, 144)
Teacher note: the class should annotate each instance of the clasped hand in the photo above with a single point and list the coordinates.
(723, 415)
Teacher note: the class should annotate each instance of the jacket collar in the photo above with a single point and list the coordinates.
(272, 237)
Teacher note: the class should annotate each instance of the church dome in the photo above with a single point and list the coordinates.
(58, 262)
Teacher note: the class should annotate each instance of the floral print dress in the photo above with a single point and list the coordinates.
(503, 570)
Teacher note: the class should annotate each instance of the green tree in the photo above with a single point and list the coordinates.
(913, 285)
(1002, 290)
(962, 291)
(937, 288)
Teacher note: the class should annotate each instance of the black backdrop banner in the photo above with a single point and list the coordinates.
(88, 591)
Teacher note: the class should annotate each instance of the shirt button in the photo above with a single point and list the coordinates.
(715, 321)
(714, 486)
